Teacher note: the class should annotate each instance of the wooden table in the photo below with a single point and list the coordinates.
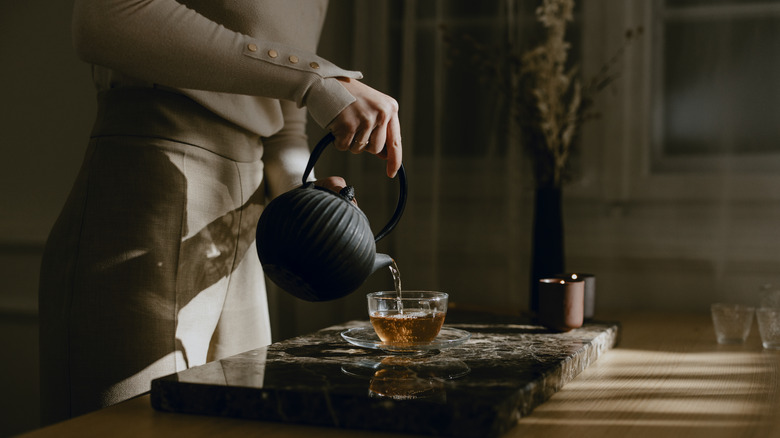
(667, 378)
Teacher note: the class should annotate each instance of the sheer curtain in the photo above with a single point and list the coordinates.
(466, 228)
(656, 234)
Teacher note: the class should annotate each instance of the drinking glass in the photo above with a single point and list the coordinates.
(732, 322)
(769, 327)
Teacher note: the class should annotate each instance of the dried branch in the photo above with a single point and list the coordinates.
(548, 100)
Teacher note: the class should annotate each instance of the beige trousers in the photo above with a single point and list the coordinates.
(151, 267)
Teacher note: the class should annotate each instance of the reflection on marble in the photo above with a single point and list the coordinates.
(480, 388)
(402, 377)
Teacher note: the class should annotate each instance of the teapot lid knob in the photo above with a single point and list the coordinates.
(348, 192)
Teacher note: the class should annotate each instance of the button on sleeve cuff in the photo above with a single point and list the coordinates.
(296, 59)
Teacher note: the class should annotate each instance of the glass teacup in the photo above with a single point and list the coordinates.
(413, 318)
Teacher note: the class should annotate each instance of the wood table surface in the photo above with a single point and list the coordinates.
(667, 378)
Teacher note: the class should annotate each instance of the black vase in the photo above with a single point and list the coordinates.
(547, 257)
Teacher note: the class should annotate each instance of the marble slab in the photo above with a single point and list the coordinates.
(479, 389)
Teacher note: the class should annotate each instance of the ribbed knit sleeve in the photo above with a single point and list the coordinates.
(165, 42)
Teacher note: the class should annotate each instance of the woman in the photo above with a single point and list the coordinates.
(202, 105)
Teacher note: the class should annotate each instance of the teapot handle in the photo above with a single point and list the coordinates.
(399, 209)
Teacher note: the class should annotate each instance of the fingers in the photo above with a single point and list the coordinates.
(370, 124)
(393, 150)
(378, 138)
(342, 141)
(360, 141)
(351, 133)
(384, 142)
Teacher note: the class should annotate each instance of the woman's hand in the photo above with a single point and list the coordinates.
(369, 124)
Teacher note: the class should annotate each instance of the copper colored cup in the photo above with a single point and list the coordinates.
(590, 291)
(561, 303)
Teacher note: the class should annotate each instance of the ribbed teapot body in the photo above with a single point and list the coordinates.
(314, 244)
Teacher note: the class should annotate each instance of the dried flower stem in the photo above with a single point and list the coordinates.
(548, 101)
(551, 84)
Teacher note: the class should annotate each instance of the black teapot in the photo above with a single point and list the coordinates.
(315, 243)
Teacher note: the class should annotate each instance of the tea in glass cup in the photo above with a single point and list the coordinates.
(414, 317)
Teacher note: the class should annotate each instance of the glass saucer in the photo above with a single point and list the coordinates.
(366, 337)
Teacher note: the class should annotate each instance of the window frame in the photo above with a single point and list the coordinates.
(622, 143)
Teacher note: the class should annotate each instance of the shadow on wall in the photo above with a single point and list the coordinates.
(48, 107)
(19, 373)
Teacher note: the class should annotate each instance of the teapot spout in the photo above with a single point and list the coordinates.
(382, 261)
